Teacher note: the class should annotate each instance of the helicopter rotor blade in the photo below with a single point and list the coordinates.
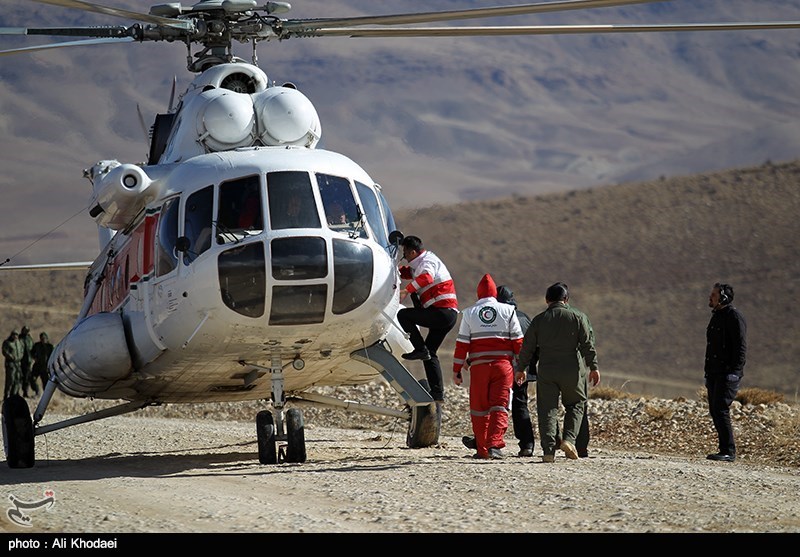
(293, 25)
(86, 42)
(116, 12)
(357, 32)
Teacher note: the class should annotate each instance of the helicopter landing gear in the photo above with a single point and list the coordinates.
(270, 427)
(425, 424)
(18, 433)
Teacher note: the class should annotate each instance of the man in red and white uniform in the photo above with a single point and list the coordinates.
(489, 339)
(435, 307)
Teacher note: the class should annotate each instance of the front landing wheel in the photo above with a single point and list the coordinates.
(265, 430)
(295, 436)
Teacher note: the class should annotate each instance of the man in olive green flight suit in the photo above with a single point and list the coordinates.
(561, 337)
(28, 381)
(12, 352)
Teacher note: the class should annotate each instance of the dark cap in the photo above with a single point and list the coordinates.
(506, 295)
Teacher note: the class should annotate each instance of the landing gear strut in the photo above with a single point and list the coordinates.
(270, 427)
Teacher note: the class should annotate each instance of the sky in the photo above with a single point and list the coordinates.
(434, 121)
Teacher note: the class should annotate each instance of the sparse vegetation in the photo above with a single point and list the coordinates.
(755, 396)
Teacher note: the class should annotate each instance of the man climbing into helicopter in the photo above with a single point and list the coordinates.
(435, 307)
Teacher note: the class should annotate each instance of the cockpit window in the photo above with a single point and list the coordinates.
(291, 200)
(342, 213)
(240, 211)
(197, 222)
(390, 224)
(373, 211)
(167, 259)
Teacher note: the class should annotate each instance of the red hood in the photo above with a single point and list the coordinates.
(487, 287)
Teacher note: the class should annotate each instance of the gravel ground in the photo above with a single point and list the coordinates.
(195, 469)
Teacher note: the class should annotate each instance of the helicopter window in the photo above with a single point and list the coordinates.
(242, 279)
(371, 207)
(390, 224)
(291, 200)
(167, 260)
(341, 211)
(197, 222)
(298, 258)
(298, 305)
(352, 275)
(239, 209)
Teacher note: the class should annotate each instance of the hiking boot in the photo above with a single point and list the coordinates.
(421, 354)
(569, 450)
(583, 454)
(548, 458)
(469, 442)
(495, 454)
(526, 451)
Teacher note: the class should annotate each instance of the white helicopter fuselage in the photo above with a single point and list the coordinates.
(226, 262)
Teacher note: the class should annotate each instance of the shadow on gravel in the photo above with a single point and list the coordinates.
(216, 460)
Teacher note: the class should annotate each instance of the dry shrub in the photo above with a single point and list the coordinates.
(608, 393)
(756, 396)
(659, 413)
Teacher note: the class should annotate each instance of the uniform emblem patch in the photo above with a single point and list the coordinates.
(487, 314)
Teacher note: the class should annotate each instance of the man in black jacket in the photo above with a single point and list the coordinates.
(726, 349)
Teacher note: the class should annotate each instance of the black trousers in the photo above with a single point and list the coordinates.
(722, 391)
(439, 322)
(521, 416)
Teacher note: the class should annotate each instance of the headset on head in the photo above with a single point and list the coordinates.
(724, 293)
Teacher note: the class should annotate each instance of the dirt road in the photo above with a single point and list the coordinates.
(135, 474)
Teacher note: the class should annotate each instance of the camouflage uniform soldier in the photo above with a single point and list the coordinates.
(28, 380)
(12, 352)
(40, 353)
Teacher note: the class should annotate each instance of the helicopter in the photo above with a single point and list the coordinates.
(240, 261)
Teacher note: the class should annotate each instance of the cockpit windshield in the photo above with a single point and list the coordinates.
(342, 212)
(291, 200)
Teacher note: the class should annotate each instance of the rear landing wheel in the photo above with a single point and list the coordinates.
(265, 431)
(426, 422)
(18, 433)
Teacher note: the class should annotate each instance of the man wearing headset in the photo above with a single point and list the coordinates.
(726, 349)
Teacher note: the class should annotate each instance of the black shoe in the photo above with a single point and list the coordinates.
(469, 442)
(722, 457)
(421, 354)
(495, 454)
(583, 454)
(527, 451)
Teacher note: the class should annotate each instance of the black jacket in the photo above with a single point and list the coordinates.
(726, 342)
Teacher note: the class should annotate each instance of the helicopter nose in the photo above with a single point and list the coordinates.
(292, 278)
